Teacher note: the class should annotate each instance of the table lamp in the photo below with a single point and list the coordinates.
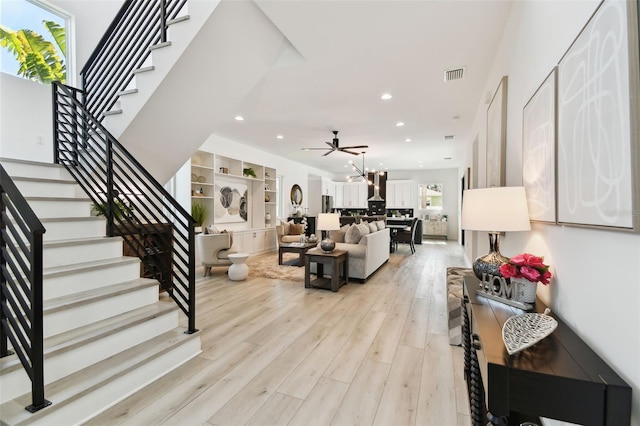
(495, 210)
(328, 222)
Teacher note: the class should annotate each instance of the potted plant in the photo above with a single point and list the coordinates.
(120, 211)
(199, 214)
(249, 172)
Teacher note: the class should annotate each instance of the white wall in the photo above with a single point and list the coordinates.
(596, 287)
(26, 132)
(451, 192)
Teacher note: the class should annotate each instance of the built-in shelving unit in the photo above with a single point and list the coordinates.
(210, 172)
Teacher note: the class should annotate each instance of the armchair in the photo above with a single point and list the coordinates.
(214, 250)
(283, 237)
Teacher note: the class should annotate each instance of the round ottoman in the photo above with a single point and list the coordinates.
(239, 270)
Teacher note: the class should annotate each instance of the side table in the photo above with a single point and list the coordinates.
(338, 262)
(239, 270)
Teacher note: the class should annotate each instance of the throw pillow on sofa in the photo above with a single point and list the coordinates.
(296, 229)
(364, 228)
(372, 227)
(353, 235)
(338, 235)
(380, 224)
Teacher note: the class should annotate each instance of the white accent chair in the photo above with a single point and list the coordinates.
(214, 250)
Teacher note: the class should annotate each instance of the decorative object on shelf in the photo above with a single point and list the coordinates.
(525, 270)
(194, 177)
(328, 222)
(249, 172)
(201, 179)
(199, 214)
(497, 288)
(267, 187)
(224, 170)
(523, 331)
(267, 198)
(267, 218)
(494, 210)
(267, 175)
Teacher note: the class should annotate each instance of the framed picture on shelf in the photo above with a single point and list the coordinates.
(497, 135)
(539, 151)
(231, 202)
(598, 110)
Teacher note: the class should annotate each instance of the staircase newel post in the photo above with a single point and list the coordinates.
(192, 280)
(163, 21)
(37, 327)
(4, 344)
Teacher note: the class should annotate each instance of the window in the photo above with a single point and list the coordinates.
(279, 207)
(430, 196)
(33, 37)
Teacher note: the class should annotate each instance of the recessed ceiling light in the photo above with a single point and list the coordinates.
(239, 118)
(449, 137)
(421, 165)
(386, 96)
(306, 149)
(407, 140)
(399, 124)
(419, 161)
(279, 137)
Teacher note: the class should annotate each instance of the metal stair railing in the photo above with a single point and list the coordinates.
(21, 288)
(154, 226)
(123, 49)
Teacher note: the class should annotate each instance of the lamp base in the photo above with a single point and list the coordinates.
(489, 264)
(327, 245)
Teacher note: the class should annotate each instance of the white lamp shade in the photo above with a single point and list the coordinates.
(498, 209)
(328, 222)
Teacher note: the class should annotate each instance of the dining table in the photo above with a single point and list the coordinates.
(394, 229)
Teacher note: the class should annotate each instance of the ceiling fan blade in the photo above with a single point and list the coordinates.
(331, 145)
(317, 149)
(355, 146)
(328, 152)
(349, 152)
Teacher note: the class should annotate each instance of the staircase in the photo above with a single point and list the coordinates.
(107, 332)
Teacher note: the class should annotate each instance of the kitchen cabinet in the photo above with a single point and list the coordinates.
(354, 195)
(400, 194)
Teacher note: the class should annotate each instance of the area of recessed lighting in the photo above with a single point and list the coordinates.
(238, 118)
(279, 137)
(421, 165)
(449, 137)
(407, 140)
(386, 96)
(400, 124)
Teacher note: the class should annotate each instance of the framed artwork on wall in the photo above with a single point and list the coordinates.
(598, 110)
(497, 135)
(539, 151)
(231, 202)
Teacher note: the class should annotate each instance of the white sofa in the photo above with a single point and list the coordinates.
(366, 256)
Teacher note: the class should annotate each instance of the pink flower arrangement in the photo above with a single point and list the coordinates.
(528, 266)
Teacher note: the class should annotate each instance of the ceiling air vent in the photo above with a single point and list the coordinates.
(454, 74)
(449, 137)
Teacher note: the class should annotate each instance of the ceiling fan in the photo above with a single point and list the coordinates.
(335, 146)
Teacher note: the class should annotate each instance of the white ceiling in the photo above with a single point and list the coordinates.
(342, 55)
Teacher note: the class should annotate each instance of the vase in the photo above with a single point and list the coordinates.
(523, 290)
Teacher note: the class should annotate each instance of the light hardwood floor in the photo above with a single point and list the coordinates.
(275, 353)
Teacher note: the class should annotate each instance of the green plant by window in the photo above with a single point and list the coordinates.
(38, 58)
(198, 212)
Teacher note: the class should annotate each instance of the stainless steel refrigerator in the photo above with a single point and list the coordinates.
(327, 203)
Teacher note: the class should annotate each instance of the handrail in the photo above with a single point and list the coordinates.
(21, 291)
(138, 25)
(153, 224)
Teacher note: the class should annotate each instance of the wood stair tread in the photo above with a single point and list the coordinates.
(63, 342)
(79, 241)
(84, 266)
(74, 386)
(44, 180)
(84, 297)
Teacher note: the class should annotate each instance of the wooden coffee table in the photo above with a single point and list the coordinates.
(338, 262)
(300, 248)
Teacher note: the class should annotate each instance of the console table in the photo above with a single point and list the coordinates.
(560, 377)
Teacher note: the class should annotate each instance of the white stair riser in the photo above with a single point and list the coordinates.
(63, 230)
(107, 248)
(88, 313)
(35, 170)
(48, 189)
(15, 383)
(65, 284)
(91, 404)
(56, 208)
